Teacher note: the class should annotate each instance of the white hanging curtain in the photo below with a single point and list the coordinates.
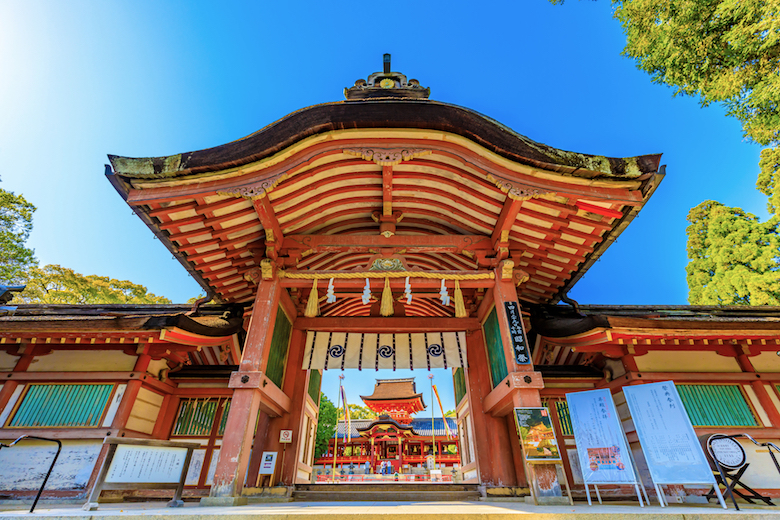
(368, 351)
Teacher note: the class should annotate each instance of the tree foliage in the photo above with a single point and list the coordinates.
(326, 426)
(725, 51)
(54, 284)
(15, 226)
(358, 412)
(734, 257)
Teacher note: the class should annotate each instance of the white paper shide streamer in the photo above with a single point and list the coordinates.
(367, 293)
(331, 296)
(445, 297)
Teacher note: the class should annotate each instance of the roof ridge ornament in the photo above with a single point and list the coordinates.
(387, 84)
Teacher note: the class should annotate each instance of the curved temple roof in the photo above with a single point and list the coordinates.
(383, 113)
(430, 185)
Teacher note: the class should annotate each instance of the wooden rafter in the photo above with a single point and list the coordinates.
(387, 191)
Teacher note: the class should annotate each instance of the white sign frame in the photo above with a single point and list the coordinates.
(603, 416)
(285, 436)
(646, 404)
(268, 463)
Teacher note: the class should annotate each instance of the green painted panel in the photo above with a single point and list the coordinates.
(315, 381)
(716, 405)
(196, 416)
(73, 405)
(223, 420)
(562, 407)
(495, 348)
(459, 382)
(280, 343)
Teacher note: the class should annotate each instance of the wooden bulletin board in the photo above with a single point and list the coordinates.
(143, 464)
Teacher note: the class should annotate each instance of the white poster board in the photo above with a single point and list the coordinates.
(604, 454)
(666, 435)
(268, 463)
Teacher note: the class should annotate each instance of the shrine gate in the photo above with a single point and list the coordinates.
(325, 221)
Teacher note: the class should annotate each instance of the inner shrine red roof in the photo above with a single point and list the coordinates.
(392, 390)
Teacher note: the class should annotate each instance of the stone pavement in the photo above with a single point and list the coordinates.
(389, 511)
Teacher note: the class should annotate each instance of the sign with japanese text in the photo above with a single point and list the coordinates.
(146, 464)
(727, 451)
(604, 456)
(268, 463)
(671, 448)
(536, 433)
(519, 341)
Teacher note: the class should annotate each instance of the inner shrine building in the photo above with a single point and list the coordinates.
(393, 441)
(385, 231)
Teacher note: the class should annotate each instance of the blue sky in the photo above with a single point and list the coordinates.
(81, 79)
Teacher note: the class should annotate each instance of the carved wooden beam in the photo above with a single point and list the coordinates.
(273, 232)
(365, 243)
(387, 191)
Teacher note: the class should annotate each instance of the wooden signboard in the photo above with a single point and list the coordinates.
(541, 454)
(143, 464)
(537, 434)
(516, 332)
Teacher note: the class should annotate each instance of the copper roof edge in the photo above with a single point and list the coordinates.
(378, 113)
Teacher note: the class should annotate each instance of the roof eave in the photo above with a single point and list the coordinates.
(381, 113)
(122, 187)
(649, 187)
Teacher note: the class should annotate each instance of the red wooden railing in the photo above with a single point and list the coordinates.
(355, 479)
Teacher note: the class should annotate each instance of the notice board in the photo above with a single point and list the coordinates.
(537, 435)
(669, 443)
(603, 452)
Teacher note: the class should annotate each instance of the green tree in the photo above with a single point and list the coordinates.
(15, 226)
(450, 413)
(54, 284)
(723, 51)
(733, 257)
(727, 52)
(358, 412)
(326, 425)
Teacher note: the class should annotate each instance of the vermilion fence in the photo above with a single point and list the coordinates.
(376, 479)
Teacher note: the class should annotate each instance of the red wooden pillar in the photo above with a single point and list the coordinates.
(521, 386)
(295, 385)
(239, 429)
(505, 291)
(401, 447)
(491, 440)
(131, 391)
(22, 364)
(758, 387)
(258, 447)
